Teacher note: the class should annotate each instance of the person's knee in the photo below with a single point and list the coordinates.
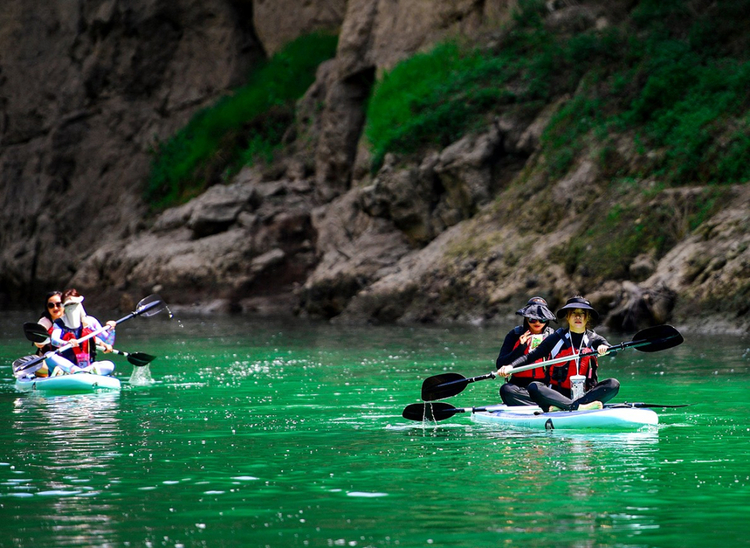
(533, 388)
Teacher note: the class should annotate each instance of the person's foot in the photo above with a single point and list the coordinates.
(589, 406)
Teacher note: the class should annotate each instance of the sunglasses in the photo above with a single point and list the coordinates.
(534, 320)
(53, 304)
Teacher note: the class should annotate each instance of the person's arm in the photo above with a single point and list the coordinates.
(508, 353)
(46, 324)
(599, 343)
(541, 351)
(105, 339)
(55, 336)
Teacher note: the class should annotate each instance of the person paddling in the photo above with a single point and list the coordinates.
(53, 310)
(571, 342)
(521, 340)
(73, 325)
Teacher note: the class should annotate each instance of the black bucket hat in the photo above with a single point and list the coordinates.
(579, 303)
(536, 309)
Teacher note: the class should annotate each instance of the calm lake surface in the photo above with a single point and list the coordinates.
(287, 433)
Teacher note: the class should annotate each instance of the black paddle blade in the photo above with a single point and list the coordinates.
(657, 338)
(149, 306)
(436, 411)
(140, 359)
(443, 386)
(35, 332)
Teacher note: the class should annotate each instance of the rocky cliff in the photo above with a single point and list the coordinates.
(463, 232)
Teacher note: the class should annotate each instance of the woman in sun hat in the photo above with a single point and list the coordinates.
(556, 393)
(521, 340)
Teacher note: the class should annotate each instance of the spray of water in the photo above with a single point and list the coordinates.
(141, 376)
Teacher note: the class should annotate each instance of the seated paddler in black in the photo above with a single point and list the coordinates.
(555, 393)
(521, 340)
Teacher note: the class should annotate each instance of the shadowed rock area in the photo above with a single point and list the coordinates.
(457, 233)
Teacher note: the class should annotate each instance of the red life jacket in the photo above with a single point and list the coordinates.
(560, 373)
(84, 352)
(537, 373)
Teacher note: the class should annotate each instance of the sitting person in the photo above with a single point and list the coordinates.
(556, 393)
(72, 326)
(53, 310)
(521, 340)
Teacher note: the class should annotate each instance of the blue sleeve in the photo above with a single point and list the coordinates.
(108, 337)
(55, 336)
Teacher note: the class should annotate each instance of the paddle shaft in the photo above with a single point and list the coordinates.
(139, 359)
(614, 348)
(139, 310)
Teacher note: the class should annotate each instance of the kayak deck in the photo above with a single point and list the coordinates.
(79, 382)
(609, 418)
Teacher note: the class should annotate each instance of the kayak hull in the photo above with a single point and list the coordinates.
(80, 382)
(532, 417)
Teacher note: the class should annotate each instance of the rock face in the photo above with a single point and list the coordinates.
(222, 247)
(86, 87)
(280, 21)
(449, 236)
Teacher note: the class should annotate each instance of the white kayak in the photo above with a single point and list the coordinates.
(617, 417)
(79, 382)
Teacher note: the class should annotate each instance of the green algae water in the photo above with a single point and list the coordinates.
(287, 433)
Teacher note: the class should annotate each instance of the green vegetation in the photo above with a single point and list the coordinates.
(674, 80)
(650, 221)
(240, 128)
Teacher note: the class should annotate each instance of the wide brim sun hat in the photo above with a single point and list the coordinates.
(578, 303)
(536, 309)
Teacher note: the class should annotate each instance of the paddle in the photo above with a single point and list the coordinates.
(139, 359)
(35, 332)
(38, 334)
(651, 339)
(24, 364)
(448, 384)
(148, 306)
(438, 411)
(641, 405)
(435, 411)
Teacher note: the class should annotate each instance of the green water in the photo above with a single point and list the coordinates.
(266, 433)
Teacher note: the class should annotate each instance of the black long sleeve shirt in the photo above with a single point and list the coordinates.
(546, 346)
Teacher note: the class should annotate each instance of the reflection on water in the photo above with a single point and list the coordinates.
(61, 456)
(289, 434)
(71, 431)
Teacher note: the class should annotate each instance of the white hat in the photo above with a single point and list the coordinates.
(74, 312)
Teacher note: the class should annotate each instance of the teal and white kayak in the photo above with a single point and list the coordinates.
(80, 382)
(619, 417)
(623, 416)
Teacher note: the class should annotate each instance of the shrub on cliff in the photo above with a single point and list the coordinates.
(674, 78)
(241, 127)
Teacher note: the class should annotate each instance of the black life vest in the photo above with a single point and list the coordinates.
(559, 374)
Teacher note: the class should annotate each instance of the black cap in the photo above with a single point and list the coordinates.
(577, 303)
